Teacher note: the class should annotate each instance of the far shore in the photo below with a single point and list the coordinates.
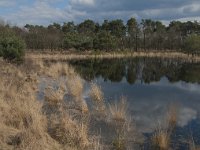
(67, 55)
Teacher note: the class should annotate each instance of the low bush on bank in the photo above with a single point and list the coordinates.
(12, 48)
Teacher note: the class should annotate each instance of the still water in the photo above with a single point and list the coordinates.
(150, 85)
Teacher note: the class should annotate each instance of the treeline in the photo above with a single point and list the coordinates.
(111, 35)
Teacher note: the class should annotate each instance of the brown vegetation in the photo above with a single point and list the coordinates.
(97, 98)
(59, 121)
(63, 119)
(123, 54)
(162, 135)
(161, 138)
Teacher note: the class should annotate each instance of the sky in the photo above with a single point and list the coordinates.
(44, 12)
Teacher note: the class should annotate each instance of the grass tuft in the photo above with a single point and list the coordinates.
(95, 93)
(161, 139)
(118, 110)
(172, 116)
(97, 97)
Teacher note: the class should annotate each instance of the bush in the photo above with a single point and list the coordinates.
(71, 40)
(77, 41)
(192, 44)
(105, 41)
(12, 48)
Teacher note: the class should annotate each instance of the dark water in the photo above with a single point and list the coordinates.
(150, 86)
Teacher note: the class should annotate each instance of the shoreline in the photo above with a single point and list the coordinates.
(87, 55)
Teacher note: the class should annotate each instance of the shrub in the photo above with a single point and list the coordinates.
(12, 48)
(75, 40)
(105, 41)
(192, 44)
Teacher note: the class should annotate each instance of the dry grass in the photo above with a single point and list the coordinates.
(24, 125)
(21, 117)
(95, 93)
(68, 56)
(172, 116)
(163, 132)
(161, 139)
(96, 143)
(53, 97)
(55, 123)
(122, 123)
(69, 83)
(69, 133)
(75, 90)
(97, 97)
(59, 69)
(76, 86)
(118, 110)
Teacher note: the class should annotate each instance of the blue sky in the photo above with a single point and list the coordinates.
(44, 12)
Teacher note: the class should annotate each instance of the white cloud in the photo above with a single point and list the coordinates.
(191, 87)
(195, 18)
(192, 8)
(185, 116)
(98, 10)
(39, 13)
(44, 13)
(83, 2)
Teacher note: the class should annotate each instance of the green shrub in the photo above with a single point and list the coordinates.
(12, 48)
(75, 40)
(192, 44)
(105, 41)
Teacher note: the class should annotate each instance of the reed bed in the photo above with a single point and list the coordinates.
(26, 123)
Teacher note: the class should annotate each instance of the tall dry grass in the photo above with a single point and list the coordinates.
(118, 110)
(172, 116)
(22, 126)
(161, 138)
(162, 134)
(24, 121)
(59, 69)
(152, 54)
(120, 120)
(97, 98)
(61, 120)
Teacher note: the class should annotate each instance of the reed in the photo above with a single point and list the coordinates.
(172, 116)
(97, 98)
(59, 69)
(161, 138)
(118, 110)
(162, 134)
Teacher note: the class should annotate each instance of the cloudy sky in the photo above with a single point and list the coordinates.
(43, 12)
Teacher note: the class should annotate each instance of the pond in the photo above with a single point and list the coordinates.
(151, 86)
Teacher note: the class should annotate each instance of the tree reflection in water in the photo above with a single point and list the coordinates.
(146, 70)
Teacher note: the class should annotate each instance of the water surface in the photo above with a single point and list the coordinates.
(150, 85)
